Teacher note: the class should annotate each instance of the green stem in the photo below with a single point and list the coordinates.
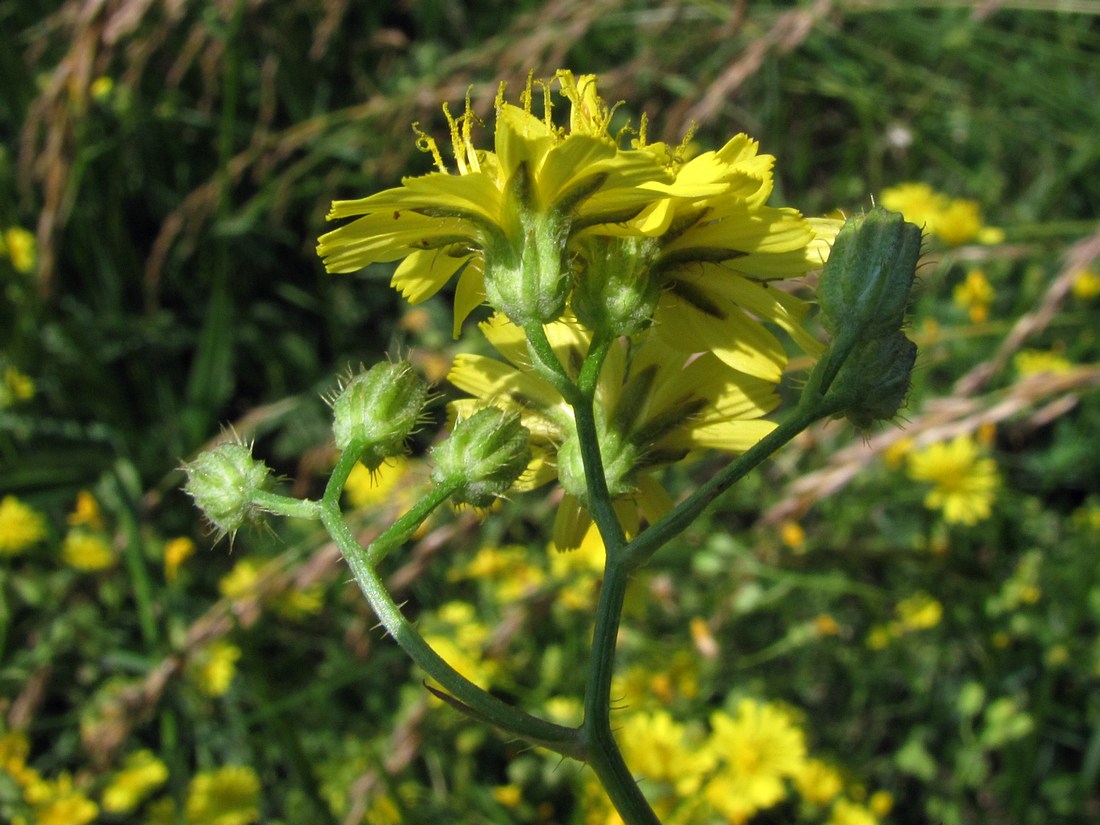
(545, 362)
(642, 548)
(462, 692)
(604, 755)
(287, 506)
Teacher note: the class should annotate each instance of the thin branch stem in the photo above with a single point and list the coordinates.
(467, 695)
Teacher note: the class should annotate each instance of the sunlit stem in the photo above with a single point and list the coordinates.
(287, 506)
(362, 561)
(812, 408)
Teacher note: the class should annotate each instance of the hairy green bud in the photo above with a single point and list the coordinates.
(484, 455)
(223, 482)
(377, 410)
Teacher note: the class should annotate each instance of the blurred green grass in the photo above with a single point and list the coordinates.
(178, 291)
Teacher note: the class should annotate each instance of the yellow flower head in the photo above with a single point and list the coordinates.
(964, 483)
(21, 526)
(141, 774)
(754, 750)
(87, 551)
(975, 295)
(15, 388)
(655, 746)
(86, 512)
(21, 248)
(1086, 284)
(176, 552)
(242, 579)
(954, 221)
(818, 782)
(850, 813)
(226, 796)
(918, 612)
(58, 802)
(1034, 362)
(212, 669)
(654, 406)
(551, 207)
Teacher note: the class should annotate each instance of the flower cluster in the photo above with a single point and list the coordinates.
(575, 234)
(751, 759)
(557, 217)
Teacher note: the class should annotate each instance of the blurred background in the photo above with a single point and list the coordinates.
(921, 602)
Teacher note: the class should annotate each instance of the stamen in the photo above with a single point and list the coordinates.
(456, 141)
(426, 143)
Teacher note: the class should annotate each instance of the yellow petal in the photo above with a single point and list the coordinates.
(379, 238)
(423, 273)
(571, 523)
(469, 292)
(488, 379)
(730, 334)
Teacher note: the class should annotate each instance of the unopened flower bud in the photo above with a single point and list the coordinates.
(878, 373)
(866, 282)
(484, 455)
(863, 294)
(377, 410)
(223, 482)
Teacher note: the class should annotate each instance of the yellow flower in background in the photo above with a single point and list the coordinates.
(818, 782)
(58, 802)
(850, 813)
(655, 746)
(507, 795)
(297, 603)
(955, 221)
(964, 482)
(1034, 362)
(14, 748)
(918, 612)
(15, 388)
(101, 88)
(226, 796)
(241, 580)
(918, 203)
(959, 222)
(365, 488)
(792, 535)
(20, 246)
(755, 750)
(141, 774)
(176, 552)
(654, 406)
(975, 295)
(86, 512)
(213, 667)
(1086, 284)
(21, 526)
(87, 551)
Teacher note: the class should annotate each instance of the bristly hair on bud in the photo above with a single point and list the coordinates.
(223, 482)
(375, 411)
(483, 456)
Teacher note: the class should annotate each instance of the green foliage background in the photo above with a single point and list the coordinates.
(177, 291)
